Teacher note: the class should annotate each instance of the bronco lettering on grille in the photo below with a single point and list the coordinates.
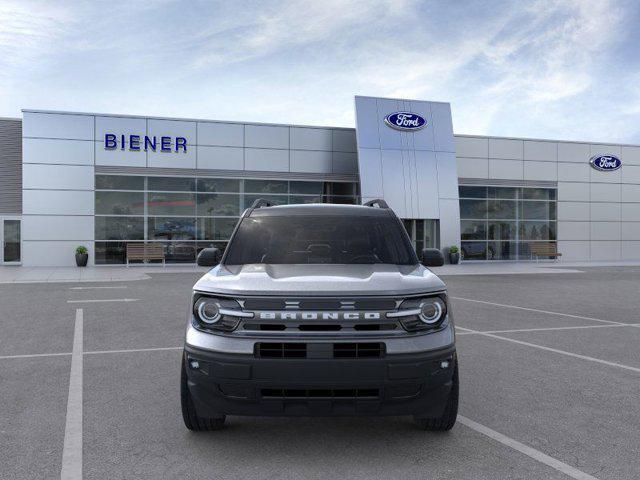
(319, 315)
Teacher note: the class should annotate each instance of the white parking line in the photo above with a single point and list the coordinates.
(72, 449)
(554, 350)
(98, 288)
(526, 450)
(538, 311)
(107, 300)
(159, 349)
(543, 329)
(34, 355)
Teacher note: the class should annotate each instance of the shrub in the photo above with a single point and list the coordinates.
(81, 250)
(453, 249)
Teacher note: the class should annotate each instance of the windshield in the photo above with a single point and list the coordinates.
(320, 239)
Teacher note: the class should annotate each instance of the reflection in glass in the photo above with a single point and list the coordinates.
(306, 188)
(216, 228)
(502, 209)
(214, 185)
(168, 228)
(531, 210)
(275, 199)
(119, 228)
(265, 186)
(502, 231)
(227, 204)
(171, 184)
(502, 192)
(474, 250)
(171, 204)
(502, 251)
(472, 192)
(119, 203)
(119, 182)
(473, 209)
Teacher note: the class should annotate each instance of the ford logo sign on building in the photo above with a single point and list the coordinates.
(405, 121)
(605, 163)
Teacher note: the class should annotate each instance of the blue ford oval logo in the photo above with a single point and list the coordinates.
(605, 163)
(405, 121)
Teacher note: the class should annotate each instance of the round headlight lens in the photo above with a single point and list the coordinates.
(209, 311)
(431, 311)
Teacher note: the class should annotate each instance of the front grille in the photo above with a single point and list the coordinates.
(324, 393)
(358, 350)
(319, 304)
(282, 350)
(346, 327)
(319, 350)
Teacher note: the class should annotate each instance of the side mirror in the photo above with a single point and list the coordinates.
(432, 257)
(209, 257)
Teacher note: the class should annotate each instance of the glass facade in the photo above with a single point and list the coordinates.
(501, 223)
(423, 233)
(186, 214)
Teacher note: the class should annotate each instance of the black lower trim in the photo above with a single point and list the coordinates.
(231, 384)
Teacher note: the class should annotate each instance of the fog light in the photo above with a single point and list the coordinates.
(194, 364)
(444, 364)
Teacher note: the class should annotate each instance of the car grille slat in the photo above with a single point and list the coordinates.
(335, 350)
(319, 304)
(321, 393)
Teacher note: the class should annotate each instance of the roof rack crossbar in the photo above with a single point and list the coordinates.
(261, 202)
(376, 202)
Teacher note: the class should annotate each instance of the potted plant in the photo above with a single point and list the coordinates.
(82, 256)
(454, 255)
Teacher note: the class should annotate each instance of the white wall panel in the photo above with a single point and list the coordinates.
(605, 150)
(574, 172)
(172, 128)
(473, 147)
(367, 122)
(310, 161)
(311, 138)
(55, 125)
(64, 177)
(573, 192)
(447, 175)
(120, 158)
(602, 192)
(54, 227)
(574, 152)
(220, 158)
(395, 170)
(423, 139)
(473, 167)
(173, 159)
(220, 134)
(52, 253)
(344, 141)
(631, 231)
(573, 231)
(442, 127)
(266, 160)
(371, 183)
(605, 231)
(391, 138)
(429, 205)
(547, 171)
(597, 176)
(120, 126)
(605, 212)
(546, 151)
(630, 250)
(266, 136)
(630, 174)
(506, 169)
(506, 149)
(70, 152)
(630, 155)
(605, 251)
(449, 223)
(630, 212)
(630, 193)
(574, 211)
(574, 251)
(344, 162)
(57, 202)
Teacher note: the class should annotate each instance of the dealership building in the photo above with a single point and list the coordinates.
(106, 181)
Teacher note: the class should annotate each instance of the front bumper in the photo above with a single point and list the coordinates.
(412, 383)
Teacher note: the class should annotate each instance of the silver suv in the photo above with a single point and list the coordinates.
(319, 310)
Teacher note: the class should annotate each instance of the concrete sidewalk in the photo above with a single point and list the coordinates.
(19, 274)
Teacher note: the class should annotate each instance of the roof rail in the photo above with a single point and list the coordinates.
(259, 203)
(376, 201)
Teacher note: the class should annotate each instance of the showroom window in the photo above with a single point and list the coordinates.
(186, 214)
(501, 223)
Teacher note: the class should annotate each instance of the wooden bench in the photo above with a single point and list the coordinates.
(544, 250)
(140, 251)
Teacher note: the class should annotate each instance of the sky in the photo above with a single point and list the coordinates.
(540, 69)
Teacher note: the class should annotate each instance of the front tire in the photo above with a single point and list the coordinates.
(191, 419)
(448, 418)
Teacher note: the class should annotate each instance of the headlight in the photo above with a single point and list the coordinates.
(425, 313)
(221, 314)
(431, 310)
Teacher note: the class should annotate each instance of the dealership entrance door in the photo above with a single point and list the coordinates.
(423, 233)
(10, 240)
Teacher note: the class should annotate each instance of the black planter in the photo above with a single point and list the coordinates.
(81, 259)
(454, 258)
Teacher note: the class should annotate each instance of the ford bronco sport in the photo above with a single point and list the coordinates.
(319, 310)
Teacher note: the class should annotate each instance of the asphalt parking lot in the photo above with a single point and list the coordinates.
(549, 369)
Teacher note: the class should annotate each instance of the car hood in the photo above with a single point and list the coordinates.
(319, 280)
